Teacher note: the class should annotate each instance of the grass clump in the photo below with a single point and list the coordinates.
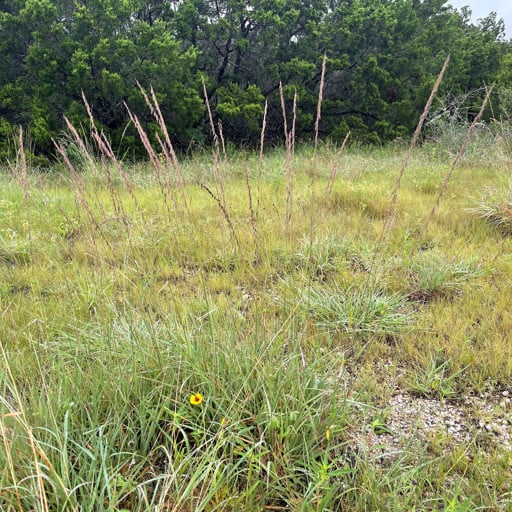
(14, 250)
(495, 207)
(360, 312)
(164, 418)
(318, 257)
(432, 276)
(436, 380)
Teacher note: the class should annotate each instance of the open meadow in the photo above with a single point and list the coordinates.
(303, 331)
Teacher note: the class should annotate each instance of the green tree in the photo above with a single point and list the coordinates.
(100, 47)
(385, 55)
(246, 49)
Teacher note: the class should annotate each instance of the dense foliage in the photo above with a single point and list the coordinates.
(383, 57)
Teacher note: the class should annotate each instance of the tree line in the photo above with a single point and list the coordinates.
(382, 59)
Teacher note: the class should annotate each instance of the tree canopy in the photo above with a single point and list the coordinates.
(382, 59)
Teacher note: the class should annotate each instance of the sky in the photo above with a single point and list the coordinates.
(481, 8)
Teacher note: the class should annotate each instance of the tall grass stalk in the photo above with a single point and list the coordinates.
(210, 116)
(163, 182)
(319, 108)
(294, 122)
(334, 166)
(256, 211)
(314, 170)
(283, 110)
(412, 145)
(290, 150)
(262, 139)
(80, 192)
(82, 146)
(8, 449)
(391, 213)
(222, 208)
(106, 149)
(170, 147)
(114, 196)
(254, 221)
(92, 164)
(23, 178)
(167, 146)
(219, 181)
(20, 416)
(222, 142)
(444, 185)
(81, 199)
(260, 156)
(19, 171)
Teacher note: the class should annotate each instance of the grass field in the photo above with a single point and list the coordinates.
(275, 334)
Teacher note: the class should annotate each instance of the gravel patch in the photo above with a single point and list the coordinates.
(409, 420)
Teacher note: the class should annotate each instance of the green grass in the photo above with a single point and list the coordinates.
(117, 306)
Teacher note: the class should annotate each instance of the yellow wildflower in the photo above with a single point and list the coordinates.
(196, 399)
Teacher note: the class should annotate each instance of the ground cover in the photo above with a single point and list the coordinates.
(272, 333)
